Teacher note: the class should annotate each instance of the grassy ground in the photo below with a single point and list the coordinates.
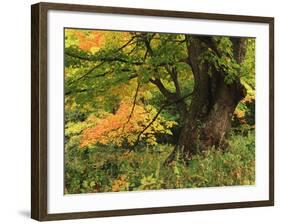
(107, 169)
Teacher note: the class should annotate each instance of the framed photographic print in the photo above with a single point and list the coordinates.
(138, 111)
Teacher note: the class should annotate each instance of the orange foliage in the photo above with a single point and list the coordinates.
(115, 127)
(86, 42)
(120, 184)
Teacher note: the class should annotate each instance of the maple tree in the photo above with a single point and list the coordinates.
(203, 78)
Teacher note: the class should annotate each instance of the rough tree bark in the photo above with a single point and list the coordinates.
(209, 117)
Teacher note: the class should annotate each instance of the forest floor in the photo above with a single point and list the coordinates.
(111, 169)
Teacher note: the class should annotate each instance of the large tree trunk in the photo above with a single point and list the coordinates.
(201, 132)
(209, 117)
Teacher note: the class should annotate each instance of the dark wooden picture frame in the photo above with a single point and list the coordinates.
(39, 149)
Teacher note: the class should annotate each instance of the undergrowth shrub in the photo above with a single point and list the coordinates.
(107, 168)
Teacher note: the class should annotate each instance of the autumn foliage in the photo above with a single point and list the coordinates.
(128, 97)
(89, 40)
(125, 125)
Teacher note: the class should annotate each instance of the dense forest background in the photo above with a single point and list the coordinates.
(158, 111)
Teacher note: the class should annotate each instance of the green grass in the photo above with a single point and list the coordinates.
(106, 169)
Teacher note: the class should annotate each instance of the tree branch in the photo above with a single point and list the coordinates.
(126, 44)
(134, 105)
(103, 59)
(98, 76)
(88, 72)
(169, 95)
(150, 123)
(158, 113)
(239, 48)
(174, 75)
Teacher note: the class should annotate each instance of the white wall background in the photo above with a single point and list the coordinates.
(15, 112)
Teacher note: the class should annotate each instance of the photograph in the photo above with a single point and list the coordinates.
(157, 111)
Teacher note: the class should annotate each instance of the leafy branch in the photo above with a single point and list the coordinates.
(134, 105)
(158, 113)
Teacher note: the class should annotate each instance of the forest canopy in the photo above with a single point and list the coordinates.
(146, 110)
